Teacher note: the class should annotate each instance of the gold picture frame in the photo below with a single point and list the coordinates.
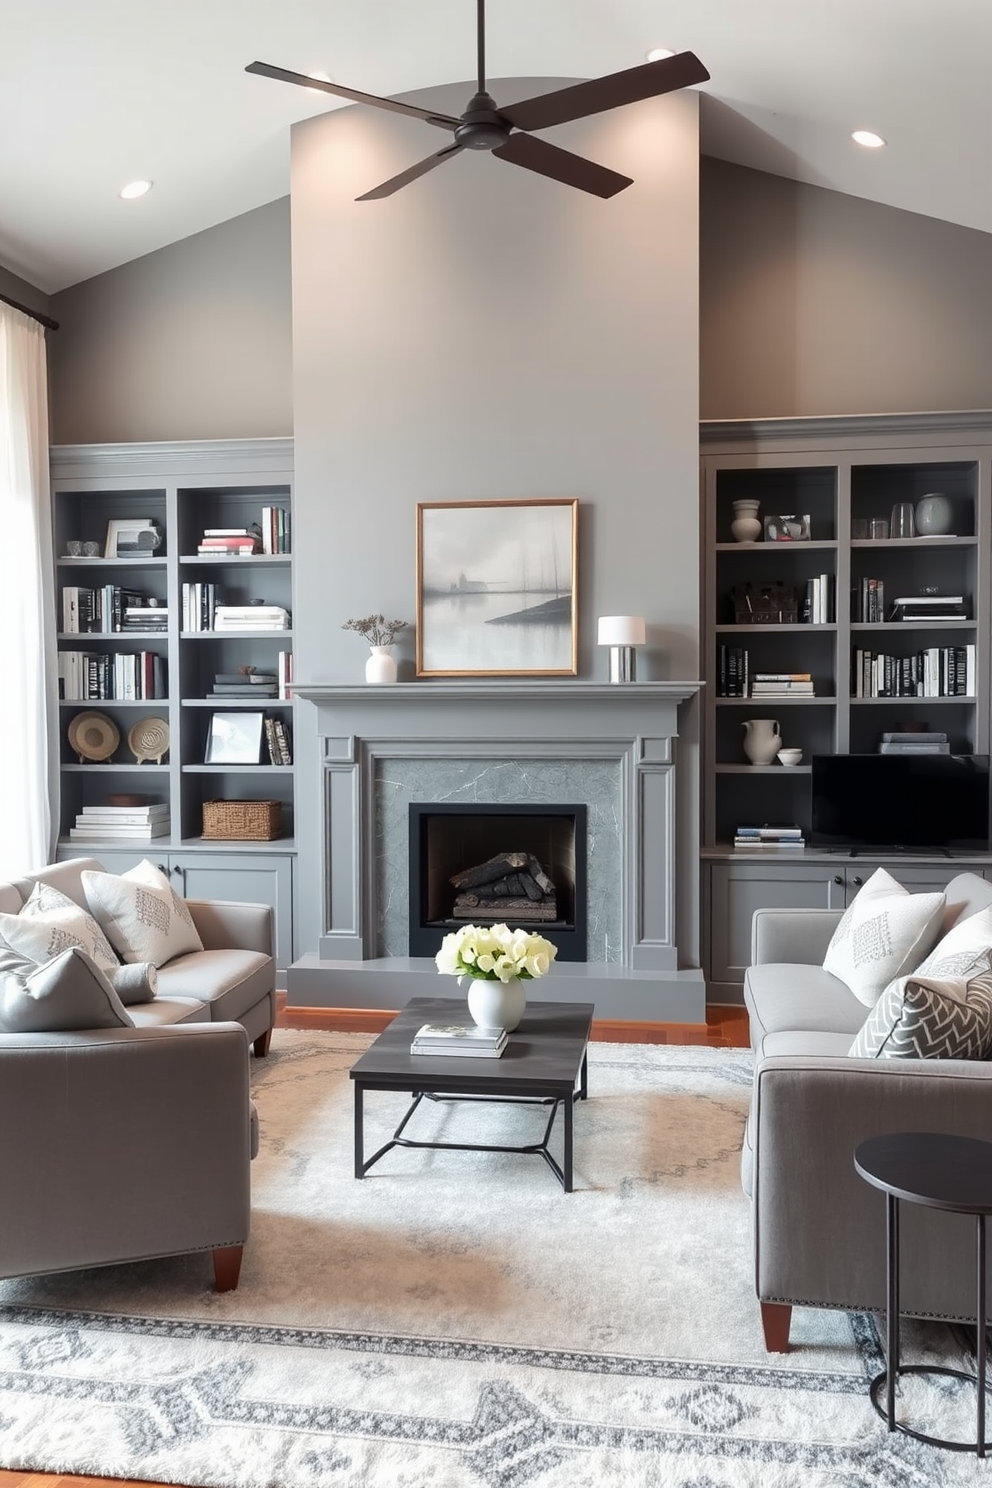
(496, 588)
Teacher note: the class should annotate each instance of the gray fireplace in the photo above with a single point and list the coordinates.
(527, 744)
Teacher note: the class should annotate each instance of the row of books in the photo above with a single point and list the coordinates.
(270, 535)
(132, 676)
(202, 610)
(782, 684)
(121, 823)
(935, 671)
(277, 741)
(769, 835)
(458, 1038)
(818, 601)
(103, 610)
(735, 679)
(869, 605)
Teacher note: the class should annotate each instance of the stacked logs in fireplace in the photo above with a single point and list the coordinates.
(511, 885)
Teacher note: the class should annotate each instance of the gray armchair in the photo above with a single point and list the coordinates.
(819, 1229)
(124, 1144)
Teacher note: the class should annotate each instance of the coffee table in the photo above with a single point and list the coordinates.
(544, 1062)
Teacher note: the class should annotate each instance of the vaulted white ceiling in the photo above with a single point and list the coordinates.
(96, 93)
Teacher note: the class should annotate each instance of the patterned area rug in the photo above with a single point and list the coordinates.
(456, 1321)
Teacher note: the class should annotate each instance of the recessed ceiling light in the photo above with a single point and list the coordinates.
(868, 139)
(134, 189)
(656, 53)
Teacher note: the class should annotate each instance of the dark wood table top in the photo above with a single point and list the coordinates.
(930, 1168)
(543, 1053)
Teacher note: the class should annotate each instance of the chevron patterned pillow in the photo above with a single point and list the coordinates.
(929, 1018)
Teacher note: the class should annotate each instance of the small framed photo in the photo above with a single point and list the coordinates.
(787, 528)
(234, 739)
(496, 588)
(132, 537)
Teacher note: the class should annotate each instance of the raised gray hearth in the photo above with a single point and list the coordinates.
(610, 747)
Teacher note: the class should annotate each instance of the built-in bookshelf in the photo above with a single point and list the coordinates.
(874, 650)
(131, 650)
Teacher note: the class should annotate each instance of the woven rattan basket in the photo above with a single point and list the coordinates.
(242, 821)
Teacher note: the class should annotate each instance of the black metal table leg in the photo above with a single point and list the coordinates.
(568, 1109)
(980, 1360)
(892, 1308)
(359, 1130)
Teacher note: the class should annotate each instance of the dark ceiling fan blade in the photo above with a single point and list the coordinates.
(600, 94)
(405, 177)
(263, 69)
(561, 165)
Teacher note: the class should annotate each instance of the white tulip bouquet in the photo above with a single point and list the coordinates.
(494, 953)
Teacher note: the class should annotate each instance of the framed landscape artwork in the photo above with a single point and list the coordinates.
(496, 588)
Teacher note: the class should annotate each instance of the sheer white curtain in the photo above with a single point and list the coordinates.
(28, 676)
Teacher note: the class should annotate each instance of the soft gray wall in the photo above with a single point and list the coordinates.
(15, 288)
(193, 341)
(818, 303)
(488, 333)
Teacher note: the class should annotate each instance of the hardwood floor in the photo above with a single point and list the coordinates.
(725, 1027)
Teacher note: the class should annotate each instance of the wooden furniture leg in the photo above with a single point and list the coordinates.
(775, 1320)
(261, 1044)
(227, 1267)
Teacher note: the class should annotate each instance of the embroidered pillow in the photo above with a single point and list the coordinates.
(966, 949)
(143, 916)
(50, 922)
(68, 992)
(883, 934)
(929, 1018)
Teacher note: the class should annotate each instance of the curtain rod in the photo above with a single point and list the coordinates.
(45, 320)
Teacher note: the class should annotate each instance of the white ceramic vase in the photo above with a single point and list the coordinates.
(746, 525)
(762, 739)
(934, 515)
(381, 665)
(497, 1004)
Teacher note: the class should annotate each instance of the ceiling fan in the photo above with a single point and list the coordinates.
(506, 132)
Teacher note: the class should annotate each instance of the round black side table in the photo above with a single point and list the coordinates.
(941, 1172)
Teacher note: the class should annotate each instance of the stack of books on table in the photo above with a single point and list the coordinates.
(770, 836)
(146, 617)
(921, 741)
(929, 607)
(459, 1038)
(121, 823)
(782, 684)
(250, 617)
(233, 542)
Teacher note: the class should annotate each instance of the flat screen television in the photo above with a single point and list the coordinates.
(901, 802)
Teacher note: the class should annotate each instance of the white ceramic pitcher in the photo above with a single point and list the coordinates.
(762, 739)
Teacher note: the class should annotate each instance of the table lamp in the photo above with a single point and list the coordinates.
(622, 633)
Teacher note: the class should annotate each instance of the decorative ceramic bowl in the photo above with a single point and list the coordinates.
(790, 756)
(93, 736)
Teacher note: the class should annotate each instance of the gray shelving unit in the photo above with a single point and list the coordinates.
(836, 471)
(184, 488)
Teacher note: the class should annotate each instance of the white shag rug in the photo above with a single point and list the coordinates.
(456, 1321)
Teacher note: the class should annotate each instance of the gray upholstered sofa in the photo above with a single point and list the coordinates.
(819, 1229)
(126, 1143)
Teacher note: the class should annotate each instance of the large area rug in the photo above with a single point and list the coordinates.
(456, 1321)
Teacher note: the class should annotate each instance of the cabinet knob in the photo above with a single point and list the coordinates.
(161, 868)
(858, 882)
(838, 880)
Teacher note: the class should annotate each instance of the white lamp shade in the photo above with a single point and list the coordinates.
(622, 630)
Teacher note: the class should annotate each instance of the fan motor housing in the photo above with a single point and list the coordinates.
(480, 126)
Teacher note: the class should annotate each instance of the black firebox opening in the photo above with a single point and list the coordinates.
(520, 864)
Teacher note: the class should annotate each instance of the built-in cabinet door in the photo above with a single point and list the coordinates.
(738, 889)
(919, 878)
(245, 879)
(242, 878)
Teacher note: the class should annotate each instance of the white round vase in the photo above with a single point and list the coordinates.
(381, 666)
(497, 1004)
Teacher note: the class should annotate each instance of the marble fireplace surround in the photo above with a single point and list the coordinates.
(611, 746)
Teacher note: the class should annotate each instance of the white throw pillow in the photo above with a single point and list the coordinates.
(883, 934)
(68, 992)
(965, 951)
(48, 923)
(929, 1018)
(144, 917)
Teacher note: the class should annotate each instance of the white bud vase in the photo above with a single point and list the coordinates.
(381, 666)
(497, 1004)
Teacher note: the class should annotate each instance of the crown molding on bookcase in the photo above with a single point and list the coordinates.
(857, 428)
(178, 457)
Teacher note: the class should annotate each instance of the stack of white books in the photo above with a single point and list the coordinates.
(250, 617)
(459, 1038)
(121, 823)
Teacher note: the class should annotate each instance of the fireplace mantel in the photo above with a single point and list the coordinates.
(469, 739)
